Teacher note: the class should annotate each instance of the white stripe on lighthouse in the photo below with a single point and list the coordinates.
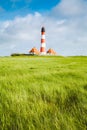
(43, 36)
(43, 45)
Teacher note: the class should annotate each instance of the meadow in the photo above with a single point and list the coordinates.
(43, 93)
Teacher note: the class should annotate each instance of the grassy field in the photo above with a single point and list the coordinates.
(43, 93)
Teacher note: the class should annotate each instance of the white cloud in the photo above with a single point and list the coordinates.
(67, 35)
(23, 32)
(71, 8)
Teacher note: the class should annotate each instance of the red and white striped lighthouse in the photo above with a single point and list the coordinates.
(43, 44)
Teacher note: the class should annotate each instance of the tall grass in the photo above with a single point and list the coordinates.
(43, 93)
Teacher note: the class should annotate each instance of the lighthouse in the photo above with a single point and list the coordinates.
(43, 43)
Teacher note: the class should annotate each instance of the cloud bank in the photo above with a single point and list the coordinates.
(71, 8)
(66, 30)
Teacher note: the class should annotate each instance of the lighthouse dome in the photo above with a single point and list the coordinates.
(42, 29)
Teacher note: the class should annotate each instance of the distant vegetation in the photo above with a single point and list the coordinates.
(19, 54)
(47, 93)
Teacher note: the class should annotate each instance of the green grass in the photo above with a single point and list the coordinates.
(43, 93)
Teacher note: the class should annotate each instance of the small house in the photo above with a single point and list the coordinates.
(51, 52)
(34, 51)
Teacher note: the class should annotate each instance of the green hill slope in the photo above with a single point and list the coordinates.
(43, 93)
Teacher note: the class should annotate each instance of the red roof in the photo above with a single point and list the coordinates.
(34, 51)
(51, 51)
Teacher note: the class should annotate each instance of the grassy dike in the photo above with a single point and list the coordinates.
(43, 93)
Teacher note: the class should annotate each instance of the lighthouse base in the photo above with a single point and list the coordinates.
(42, 53)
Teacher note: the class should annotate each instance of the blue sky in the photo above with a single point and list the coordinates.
(23, 7)
(65, 22)
(11, 5)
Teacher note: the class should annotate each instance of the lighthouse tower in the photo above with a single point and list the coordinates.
(43, 44)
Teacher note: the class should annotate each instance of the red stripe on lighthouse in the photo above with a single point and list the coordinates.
(43, 33)
(42, 49)
(42, 41)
